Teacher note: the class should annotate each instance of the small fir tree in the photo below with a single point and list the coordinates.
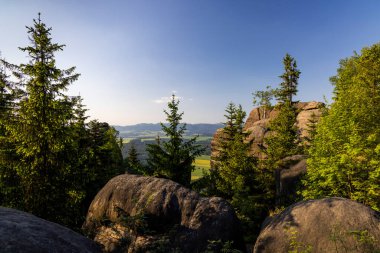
(236, 175)
(133, 164)
(174, 158)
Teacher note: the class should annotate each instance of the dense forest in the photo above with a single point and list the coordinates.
(53, 161)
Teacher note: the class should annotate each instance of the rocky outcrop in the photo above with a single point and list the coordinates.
(325, 225)
(257, 125)
(137, 214)
(23, 232)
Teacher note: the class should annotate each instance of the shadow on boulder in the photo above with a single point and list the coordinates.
(326, 225)
(145, 214)
(26, 233)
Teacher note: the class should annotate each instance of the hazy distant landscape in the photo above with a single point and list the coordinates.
(140, 135)
(150, 130)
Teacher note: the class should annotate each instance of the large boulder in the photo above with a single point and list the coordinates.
(140, 214)
(325, 225)
(26, 233)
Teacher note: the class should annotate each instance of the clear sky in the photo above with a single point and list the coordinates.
(132, 55)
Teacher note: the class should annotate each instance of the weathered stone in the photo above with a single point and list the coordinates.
(255, 115)
(313, 105)
(295, 167)
(323, 226)
(258, 127)
(304, 118)
(175, 216)
(26, 233)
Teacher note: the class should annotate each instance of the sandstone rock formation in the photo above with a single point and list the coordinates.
(26, 233)
(258, 125)
(137, 214)
(323, 226)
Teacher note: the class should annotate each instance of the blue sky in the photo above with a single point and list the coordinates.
(132, 55)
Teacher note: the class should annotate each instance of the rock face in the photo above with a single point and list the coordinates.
(290, 176)
(23, 232)
(257, 125)
(138, 214)
(326, 225)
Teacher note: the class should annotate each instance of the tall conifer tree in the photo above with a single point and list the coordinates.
(42, 132)
(288, 86)
(283, 141)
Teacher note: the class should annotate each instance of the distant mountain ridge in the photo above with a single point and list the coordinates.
(154, 129)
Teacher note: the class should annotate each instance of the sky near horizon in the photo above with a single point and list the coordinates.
(132, 55)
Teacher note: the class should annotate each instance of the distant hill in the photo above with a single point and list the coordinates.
(152, 130)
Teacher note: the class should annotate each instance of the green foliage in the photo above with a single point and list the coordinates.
(138, 225)
(234, 166)
(235, 175)
(363, 240)
(288, 86)
(263, 98)
(281, 143)
(311, 132)
(345, 155)
(9, 192)
(217, 246)
(51, 162)
(174, 158)
(132, 162)
(103, 159)
(283, 140)
(295, 246)
(41, 130)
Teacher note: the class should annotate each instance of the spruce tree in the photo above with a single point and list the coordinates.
(236, 175)
(345, 156)
(9, 181)
(173, 158)
(41, 130)
(133, 163)
(288, 86)
(104, 157)
(283, 141)
(232, 147)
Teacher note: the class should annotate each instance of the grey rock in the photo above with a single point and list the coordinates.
(26, 233)
(323, 226)
(184, 219)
